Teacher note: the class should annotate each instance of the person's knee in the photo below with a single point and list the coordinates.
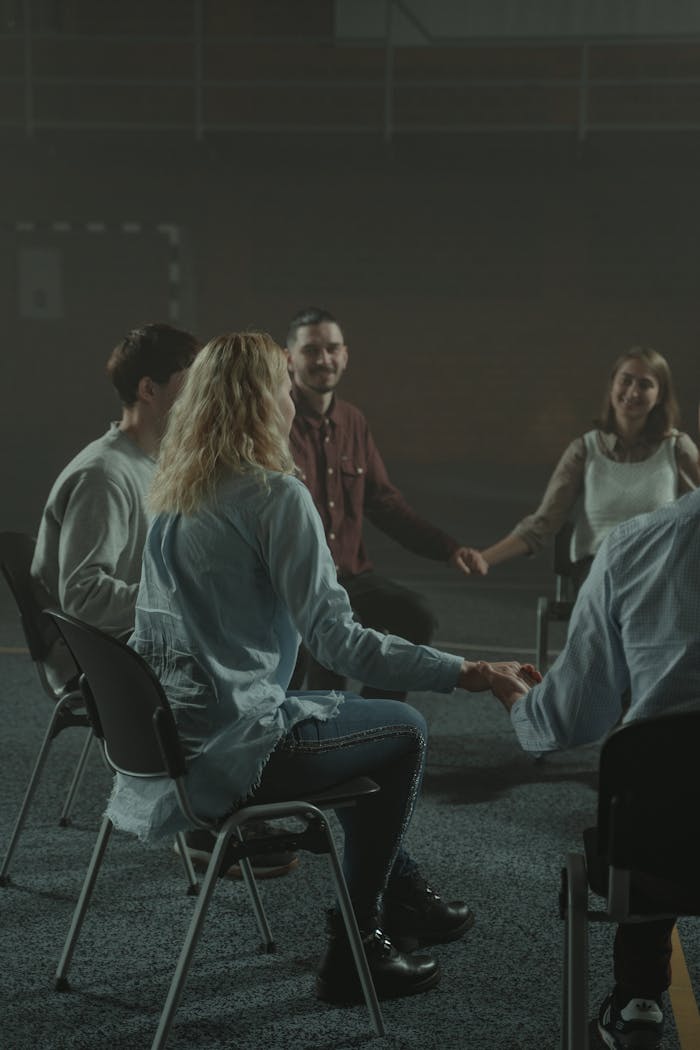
(415, 719)
(403, 718)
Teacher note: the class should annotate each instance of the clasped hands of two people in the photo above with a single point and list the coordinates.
(469, 561)
(508, 680)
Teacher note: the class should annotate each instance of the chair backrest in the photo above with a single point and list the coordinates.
(125, 702)
(649, 796)
(16, 554)
(562, 550)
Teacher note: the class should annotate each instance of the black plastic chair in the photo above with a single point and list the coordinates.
(642, 856)
(131, 715)
(559, 608)
(16, 553)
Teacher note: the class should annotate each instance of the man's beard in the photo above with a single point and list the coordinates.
(322, 381)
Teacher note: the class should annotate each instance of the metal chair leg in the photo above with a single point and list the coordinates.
(29, 793)
(564, 1034)
(268, 942)
(64, 819)
(190, 874)
(61, 980)
(177, 983)
(542, 638)
(179, 978)
(358, 951)
(576, 960)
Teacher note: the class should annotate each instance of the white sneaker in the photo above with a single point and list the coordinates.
(639, 1025)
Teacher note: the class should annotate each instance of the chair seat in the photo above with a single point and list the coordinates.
(649, 894)
(131, 715)
(312, 838)
(345, 793)
(641, 858)
(16, 554)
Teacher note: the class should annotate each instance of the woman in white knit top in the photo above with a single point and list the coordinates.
(635, 461)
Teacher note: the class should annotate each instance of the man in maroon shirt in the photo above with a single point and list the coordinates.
(341, 465)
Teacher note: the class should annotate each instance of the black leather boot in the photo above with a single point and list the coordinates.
(394, 974)
(414, 915)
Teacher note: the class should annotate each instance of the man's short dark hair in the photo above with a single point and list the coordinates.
(153, 350)
(311, 315)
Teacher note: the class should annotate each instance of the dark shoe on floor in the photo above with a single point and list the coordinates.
(268, 865)
(394, 973)
(415, 915)
(638, 1025)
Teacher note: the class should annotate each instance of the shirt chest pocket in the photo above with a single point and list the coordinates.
(352, 469)
(352, 479)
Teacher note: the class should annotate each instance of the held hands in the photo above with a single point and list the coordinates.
(507, 680)
(469, 561)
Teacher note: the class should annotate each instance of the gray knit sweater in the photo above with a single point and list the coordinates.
(91, 537)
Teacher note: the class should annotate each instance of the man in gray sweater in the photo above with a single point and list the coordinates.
(92, 532)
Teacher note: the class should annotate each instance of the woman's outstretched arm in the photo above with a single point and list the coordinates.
(536, 530)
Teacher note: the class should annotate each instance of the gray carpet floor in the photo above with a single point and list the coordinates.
(493, 827)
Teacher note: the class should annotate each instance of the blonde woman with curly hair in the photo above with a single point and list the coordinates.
(236, 569)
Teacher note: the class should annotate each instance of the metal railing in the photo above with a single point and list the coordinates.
(392, 99)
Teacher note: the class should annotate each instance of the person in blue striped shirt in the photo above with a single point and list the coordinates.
(633, 632)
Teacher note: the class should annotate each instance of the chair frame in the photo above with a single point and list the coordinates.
(16, 551)
(559, 608)
(623, 809)
(316, 836)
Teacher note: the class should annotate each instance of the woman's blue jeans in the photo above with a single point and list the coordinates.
(381, 739)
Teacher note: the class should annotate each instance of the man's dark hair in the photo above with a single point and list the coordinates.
(311, 315)
(153, 350)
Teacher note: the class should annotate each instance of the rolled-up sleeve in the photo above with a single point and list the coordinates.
(580, 698)
(560, 496)
(303, 575)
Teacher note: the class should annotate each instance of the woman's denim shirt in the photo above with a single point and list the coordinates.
(225, 595)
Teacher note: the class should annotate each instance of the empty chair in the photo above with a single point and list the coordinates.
(131, 715)
(16, 553)
(641, 857)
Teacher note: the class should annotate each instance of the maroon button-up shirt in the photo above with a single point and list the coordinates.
(340, 464)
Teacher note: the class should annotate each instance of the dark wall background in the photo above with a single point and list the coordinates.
(485, 284)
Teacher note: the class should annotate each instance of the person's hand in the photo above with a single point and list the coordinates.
(469, 561)
(473, 678)
(505, 684)
(530, 674)
(508, 680)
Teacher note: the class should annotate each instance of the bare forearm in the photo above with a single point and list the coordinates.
(511, 546)
(508, 701)
(507, 679)
(466, 674)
